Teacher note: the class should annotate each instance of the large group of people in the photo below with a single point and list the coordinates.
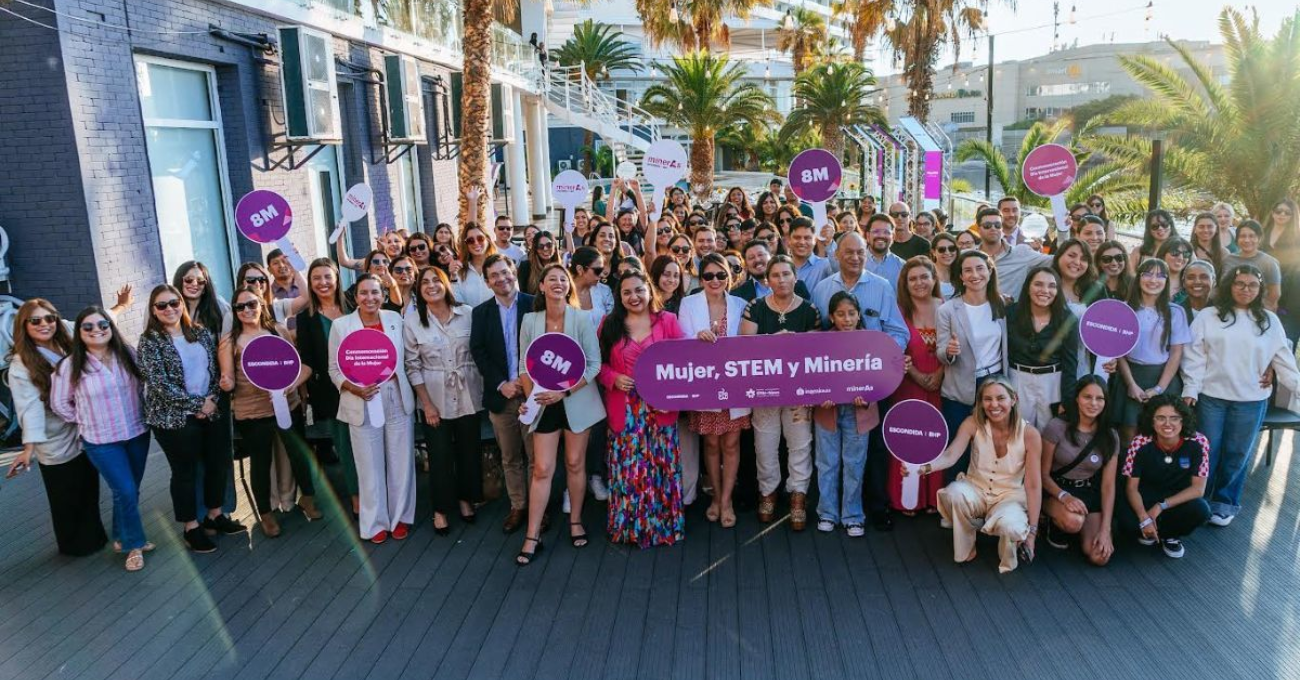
(1149, 446)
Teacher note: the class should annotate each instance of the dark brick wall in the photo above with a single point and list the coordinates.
(76, 188)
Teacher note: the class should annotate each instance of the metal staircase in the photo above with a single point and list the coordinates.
(574, 98)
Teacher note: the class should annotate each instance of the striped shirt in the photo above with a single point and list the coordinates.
(105, 404)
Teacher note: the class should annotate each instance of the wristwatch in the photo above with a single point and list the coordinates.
(1158, 390)
(1164, 505)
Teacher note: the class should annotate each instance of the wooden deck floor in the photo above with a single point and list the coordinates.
(745, 603)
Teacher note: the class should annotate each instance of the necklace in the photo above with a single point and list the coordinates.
(555, 327)
(780, 316)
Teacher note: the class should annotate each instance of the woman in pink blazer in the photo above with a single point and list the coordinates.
(645, 472)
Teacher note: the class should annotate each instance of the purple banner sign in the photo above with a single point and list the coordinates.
(933, 177)
(263, 216)
(790, 369)
(270, 362)
(815, 175)
(1109, 329)
(915, 432)
(555, 361)
(1049, 170)
(367, 357)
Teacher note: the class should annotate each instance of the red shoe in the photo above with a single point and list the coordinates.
(379, 537)
(401, 531)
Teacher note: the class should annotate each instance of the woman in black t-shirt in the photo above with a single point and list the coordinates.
(1165, 469)
(781, 311)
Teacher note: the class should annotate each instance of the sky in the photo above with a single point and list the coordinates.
(1027, 32)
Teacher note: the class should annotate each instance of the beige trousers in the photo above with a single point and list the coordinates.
(516, 452)
(969, 509)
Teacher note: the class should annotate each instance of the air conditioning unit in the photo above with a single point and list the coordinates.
(565, 165)
(308, 86)
(405, 99)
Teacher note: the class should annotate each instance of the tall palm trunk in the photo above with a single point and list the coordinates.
(476, 106)
(833, 140)
(702, 163)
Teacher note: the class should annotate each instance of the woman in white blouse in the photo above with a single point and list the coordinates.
(449, 388)
(474, 248)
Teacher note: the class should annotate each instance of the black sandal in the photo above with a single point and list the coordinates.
(524, 559)
(579, 541)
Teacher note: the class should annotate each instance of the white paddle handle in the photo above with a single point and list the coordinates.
(283, 417)
(375, 408)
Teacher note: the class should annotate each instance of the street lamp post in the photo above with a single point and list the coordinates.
(988, 128)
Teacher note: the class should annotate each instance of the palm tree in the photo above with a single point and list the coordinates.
(802, 34)
(599, 49)
(703, 95)
(1238, 142)
(693, 24)
(832, 96)
(476, 105)
(916, 31)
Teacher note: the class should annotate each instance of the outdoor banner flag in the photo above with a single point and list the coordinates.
(915, 433)
(1109, 329)
(356, 203)
(569, 189)
(1049, 171)
(787, 369)
(554, 361)
(368, 357)
(265, 217)
(664, 165)
(815, 176)
(272, 364)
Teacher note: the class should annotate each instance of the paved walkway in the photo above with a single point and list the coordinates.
(746, 603)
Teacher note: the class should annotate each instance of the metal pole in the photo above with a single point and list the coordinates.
(988, 131)
(1157, 174)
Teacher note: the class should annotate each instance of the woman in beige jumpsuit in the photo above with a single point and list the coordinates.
(1002, 489)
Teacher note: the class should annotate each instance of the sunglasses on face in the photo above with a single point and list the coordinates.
(476, 240)
(664, 231)
(191, 281)
(1185, 254)
(254, 280)
(167, 304)
(246, 306)
(417, 248)
(944, 250)
(504, 227)
(403, 270)
(545, 245)
(736, 269)
(713, 276)
(696, 223)
(1111, 259)
(50, 319)
(899, 214)
(681, 250)
(596, 270)
(991, 225)
(733, 226)
(91, 326)
(785, 220)
(1160, 224)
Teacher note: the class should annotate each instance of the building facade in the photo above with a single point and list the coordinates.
(133, 127)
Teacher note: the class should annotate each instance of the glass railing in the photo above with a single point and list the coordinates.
(510, 52)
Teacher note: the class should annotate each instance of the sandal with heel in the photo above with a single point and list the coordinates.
(525, 558)
(579, 541)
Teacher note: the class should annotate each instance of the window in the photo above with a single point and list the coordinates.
(182, 122)
(1064, 89)
(963, 116)
(408, 180)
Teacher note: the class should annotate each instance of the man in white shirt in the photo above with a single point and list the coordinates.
(1012, 262)
(503, 233)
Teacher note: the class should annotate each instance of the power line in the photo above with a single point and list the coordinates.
(28, 19)
(93, 22)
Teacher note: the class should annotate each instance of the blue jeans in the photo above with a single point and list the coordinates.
(841, 457)
(1233, 430)
(121, 464)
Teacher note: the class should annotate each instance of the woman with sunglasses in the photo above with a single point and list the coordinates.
(1176, 253)
(736, 263)
(1249, 237)
(178, 363)
(679, 248)
(1233, 347)
(943, 252)
(325, 305)
(769, 235)
(385, 466)
(1206, 243)
(450, 391)
(1151, 369)
(971, 338)
(1080, 456)
(1199, 277)
(1282, 241)
(401, 295)
(666, 277)
(1159, 227)
(919, 301)
(97, 387)
(420, 248)
(40, 341)
(1043, 346)
(665, 228)
(567, 414)
(541, 252)
(376, 264)
(468, 283)
(204, 306)
(255, 275)
(1112, 264)
(708, 315)
(785, 217)
(1097, 205)
(255, 414)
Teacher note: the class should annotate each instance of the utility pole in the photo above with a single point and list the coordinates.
(1157, 173)
(988, 130)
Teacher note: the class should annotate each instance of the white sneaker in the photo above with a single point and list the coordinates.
(598, 489)
(1146, 541)
(566, 507)
(825, 526)
(1172, 547)
(857, 531)
(1220, 520)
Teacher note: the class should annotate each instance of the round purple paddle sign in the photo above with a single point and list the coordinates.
(555, 361)
(263, 216)
(271, 363)
(367, 357)
(815, 175)
(1109, 328)
(915, 432)
(1049, 170)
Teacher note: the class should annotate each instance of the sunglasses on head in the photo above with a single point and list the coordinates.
(254, 280)
(166, 304)
(90, 326)
(245, 306)
(45, 319)
(1110, 259)
(713, 276)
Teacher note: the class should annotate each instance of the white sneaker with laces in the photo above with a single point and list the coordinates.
(825, 526)
(856, 531)
(598, 489)
(565, 506)
(1146, 541)
(1172, 547)
(1220, 520)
